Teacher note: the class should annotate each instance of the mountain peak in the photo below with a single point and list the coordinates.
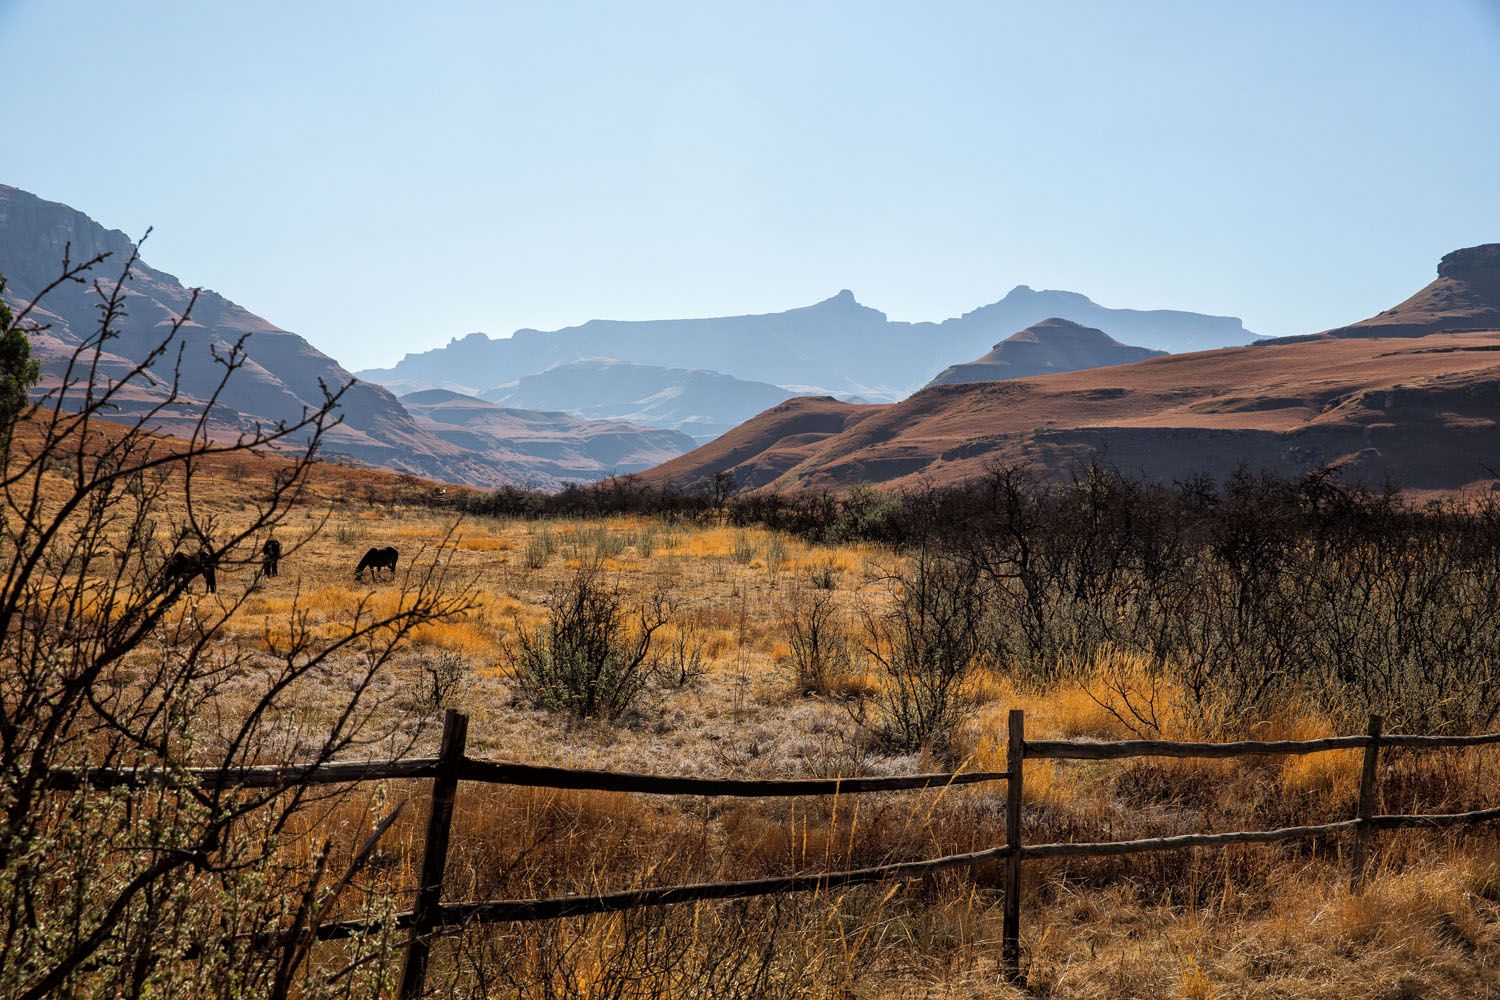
(1051, 345)
(1059, 331)
(843, 298)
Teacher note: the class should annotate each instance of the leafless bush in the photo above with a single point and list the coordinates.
(682, 662)
(1243, 594)
(447, 672)
(821, 651)
(925, 648)
(743, 551)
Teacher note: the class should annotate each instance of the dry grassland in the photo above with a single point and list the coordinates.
(1252, 922)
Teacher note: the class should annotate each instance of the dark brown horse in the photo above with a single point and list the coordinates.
(181, 567)
(376, 560)
(270, 557)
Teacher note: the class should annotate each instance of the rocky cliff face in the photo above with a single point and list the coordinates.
(1473, 264)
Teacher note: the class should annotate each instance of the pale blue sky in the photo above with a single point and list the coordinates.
(381, 177)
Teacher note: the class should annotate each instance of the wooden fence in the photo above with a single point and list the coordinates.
(430, 914)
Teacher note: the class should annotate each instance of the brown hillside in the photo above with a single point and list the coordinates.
(1386, 401)
(762, 449)
(1465, 296)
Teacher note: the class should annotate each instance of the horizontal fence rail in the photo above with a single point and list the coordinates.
(254, 776)
(537, 776)
(523, 910)
(1118, 749)
(507, 773)
(431, 916)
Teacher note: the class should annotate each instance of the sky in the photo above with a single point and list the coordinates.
(381, 177)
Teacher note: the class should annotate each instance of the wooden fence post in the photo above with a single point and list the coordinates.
(434, 855)
(1015, 755)
(1368, 793)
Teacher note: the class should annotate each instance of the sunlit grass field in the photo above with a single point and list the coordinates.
(1254, 922)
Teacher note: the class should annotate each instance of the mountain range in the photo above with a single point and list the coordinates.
(834, 347)
(549, 445)
(282, 378)
(1411, 395)
(703, 404)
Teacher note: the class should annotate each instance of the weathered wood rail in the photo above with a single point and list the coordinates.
(430, 916)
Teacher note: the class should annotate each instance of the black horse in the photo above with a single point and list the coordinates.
(270, 557)
(376, 560)
(181, 567)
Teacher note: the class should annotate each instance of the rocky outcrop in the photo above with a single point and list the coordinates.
(1465, 296)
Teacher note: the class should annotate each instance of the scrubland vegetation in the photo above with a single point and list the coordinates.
(703, 633)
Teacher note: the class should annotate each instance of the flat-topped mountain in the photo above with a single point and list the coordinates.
(699, 403)
(1465, 296)
(837, 346)
(1415, 400)
(1053, 345)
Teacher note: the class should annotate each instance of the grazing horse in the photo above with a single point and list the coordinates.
(181, 567)
(376, 560)
(270, 557)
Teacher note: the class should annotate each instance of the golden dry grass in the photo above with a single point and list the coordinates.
(1264, 922)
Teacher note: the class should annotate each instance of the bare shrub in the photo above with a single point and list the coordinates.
(447, 672)
(925, 648)
(743, 551)
(776, 553)
(682, 662)
(540, 546)
(588, 659)
(821, 652)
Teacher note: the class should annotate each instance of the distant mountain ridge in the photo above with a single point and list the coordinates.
(1053, 345)
(554, 446)
(1411, 396)
(281, 379)
(836, 346)
(699, 403)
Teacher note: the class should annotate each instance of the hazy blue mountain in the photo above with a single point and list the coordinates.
(1053, 345)
(703, 404)
(835, 346)
(549, 444)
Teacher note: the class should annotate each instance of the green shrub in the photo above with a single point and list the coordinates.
(588, 659)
